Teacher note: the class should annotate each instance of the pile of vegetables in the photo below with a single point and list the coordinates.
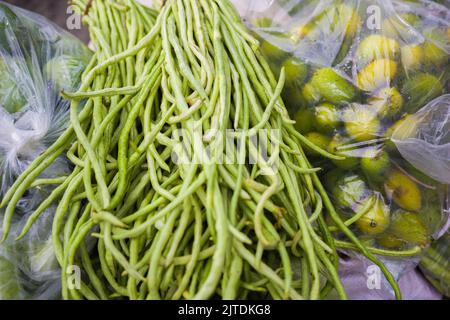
(142, 225)
(353, 90)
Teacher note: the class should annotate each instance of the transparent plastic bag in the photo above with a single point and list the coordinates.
(356, 72)
(37, 61)
(364, 281)
(29, 267)
(426, 142)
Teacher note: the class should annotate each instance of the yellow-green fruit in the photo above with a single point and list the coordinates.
(404, 128)
(263, 22)
(389, 241)
(375, 163)
(375, 47)
(361, 122)
(332, 177)
(295, 71)
(399, 25)
(409, 228)
(337, 147)
(421, 89)
(376, 220)
(331, 87)
(435, 53)
(403, 191)
(387, 102)
(319, 140)
(272, 52)
(304, 120)
(378, 73)
(293, 98)
(340, 19)
(310, 94)
(412, 56)
(326, 117)
(350, 191)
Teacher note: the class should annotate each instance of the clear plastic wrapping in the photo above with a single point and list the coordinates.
(368, 80)
(37, 61)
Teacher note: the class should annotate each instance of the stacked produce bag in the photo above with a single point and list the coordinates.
(37, 61)
(369, 80)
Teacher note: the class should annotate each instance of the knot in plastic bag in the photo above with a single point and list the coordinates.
(22, 139)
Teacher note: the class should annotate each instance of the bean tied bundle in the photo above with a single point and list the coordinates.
(142, 225)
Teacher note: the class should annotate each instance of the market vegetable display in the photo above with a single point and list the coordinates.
(356, 93)
(35, 57)
(145, 226)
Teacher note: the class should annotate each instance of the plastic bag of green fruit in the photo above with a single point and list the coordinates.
(367, 80)
(28, 267)
(37, 61)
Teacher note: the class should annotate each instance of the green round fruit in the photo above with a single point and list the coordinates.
(331, 87)
(377, 74)
(310, 94)
(296, 71)
(420, 89)
(387, 102)
(361, 123)
(272, 52)
(399, 25)
(434, 48)
(389, 241)
(377, 219)
(332, 177)
(319, 140)
(408, 227)
(350, 191)
(304, 119)
(375, 164)
(375, 47)
(404, 191)
(326, 117)
(412, 56)
(263, 22)
(337, 147)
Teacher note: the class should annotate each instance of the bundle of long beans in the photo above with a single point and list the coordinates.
(209, 227)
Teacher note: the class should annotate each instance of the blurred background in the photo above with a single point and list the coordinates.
(55, 10)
